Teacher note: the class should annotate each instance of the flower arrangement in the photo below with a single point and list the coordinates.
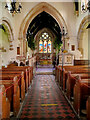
(31, 43)
(57, 44)
(65, 51)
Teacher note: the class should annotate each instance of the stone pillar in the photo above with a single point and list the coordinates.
(0, 60)
(24, 47)
(89, 46)
(21, 46)
(63, 41)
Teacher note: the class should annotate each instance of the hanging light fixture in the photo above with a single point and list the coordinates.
(88, 6)
(13, 7)
(85, 6)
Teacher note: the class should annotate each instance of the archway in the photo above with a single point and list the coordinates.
(6, 41)
(83, 37)
(33, 13)
(6, 22)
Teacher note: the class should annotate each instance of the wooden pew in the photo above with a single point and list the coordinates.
(77, 66)
(18, 71)
(20, 76)
(73, 71)
(21, 83)
(29, 69)
(29, 72)
(63, 73)
(81, 93)
(56, 72)
(88, 108)
(4, 104)
(12, 93)
(72, 80)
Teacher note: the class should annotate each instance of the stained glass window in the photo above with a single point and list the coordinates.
(45, 43)
(45, 46)
(41, 46)
(45, 35)
(49, 46)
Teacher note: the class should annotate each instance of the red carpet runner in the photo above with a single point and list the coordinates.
(45, 101)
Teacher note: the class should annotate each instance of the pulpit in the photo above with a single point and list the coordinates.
(66, 59)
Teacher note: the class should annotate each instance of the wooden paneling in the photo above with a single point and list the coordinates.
(81, 62)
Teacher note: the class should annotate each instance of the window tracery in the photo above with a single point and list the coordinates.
(45, 43)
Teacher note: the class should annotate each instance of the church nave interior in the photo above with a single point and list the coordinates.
(45, 60)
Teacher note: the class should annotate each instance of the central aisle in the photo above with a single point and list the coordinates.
(45, 100)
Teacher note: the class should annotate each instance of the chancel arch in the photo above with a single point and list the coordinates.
(43, 22)
(39, 8)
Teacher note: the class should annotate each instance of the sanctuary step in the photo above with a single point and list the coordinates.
(45, 66)
(45, 71)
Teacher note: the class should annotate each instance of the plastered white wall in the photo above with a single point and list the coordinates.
(83, 44)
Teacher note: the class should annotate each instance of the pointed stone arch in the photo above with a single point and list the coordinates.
(83, 43)
(43, 6)
(82, 25)
(6, 22)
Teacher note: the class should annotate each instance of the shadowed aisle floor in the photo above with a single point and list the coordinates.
(45, 100)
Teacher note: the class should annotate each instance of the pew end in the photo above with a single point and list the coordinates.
(4, 104)
(16, 97)
(12, 93)
(81, 93)
(88, 108)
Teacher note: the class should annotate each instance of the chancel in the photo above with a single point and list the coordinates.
(45, 59)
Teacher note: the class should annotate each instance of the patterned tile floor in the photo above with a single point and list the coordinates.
(45, 101)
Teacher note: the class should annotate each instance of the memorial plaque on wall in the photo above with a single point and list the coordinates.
(18, 50)
(73, 47)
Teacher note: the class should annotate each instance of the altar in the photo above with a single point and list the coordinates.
(45, 62)
(44, 59)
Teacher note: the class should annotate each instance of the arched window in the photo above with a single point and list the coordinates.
(45, 43)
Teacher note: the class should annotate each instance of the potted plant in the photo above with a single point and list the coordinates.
(57, 46)
(31, 43)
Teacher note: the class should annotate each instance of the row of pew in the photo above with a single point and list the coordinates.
(14, 84)
(75, 83)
